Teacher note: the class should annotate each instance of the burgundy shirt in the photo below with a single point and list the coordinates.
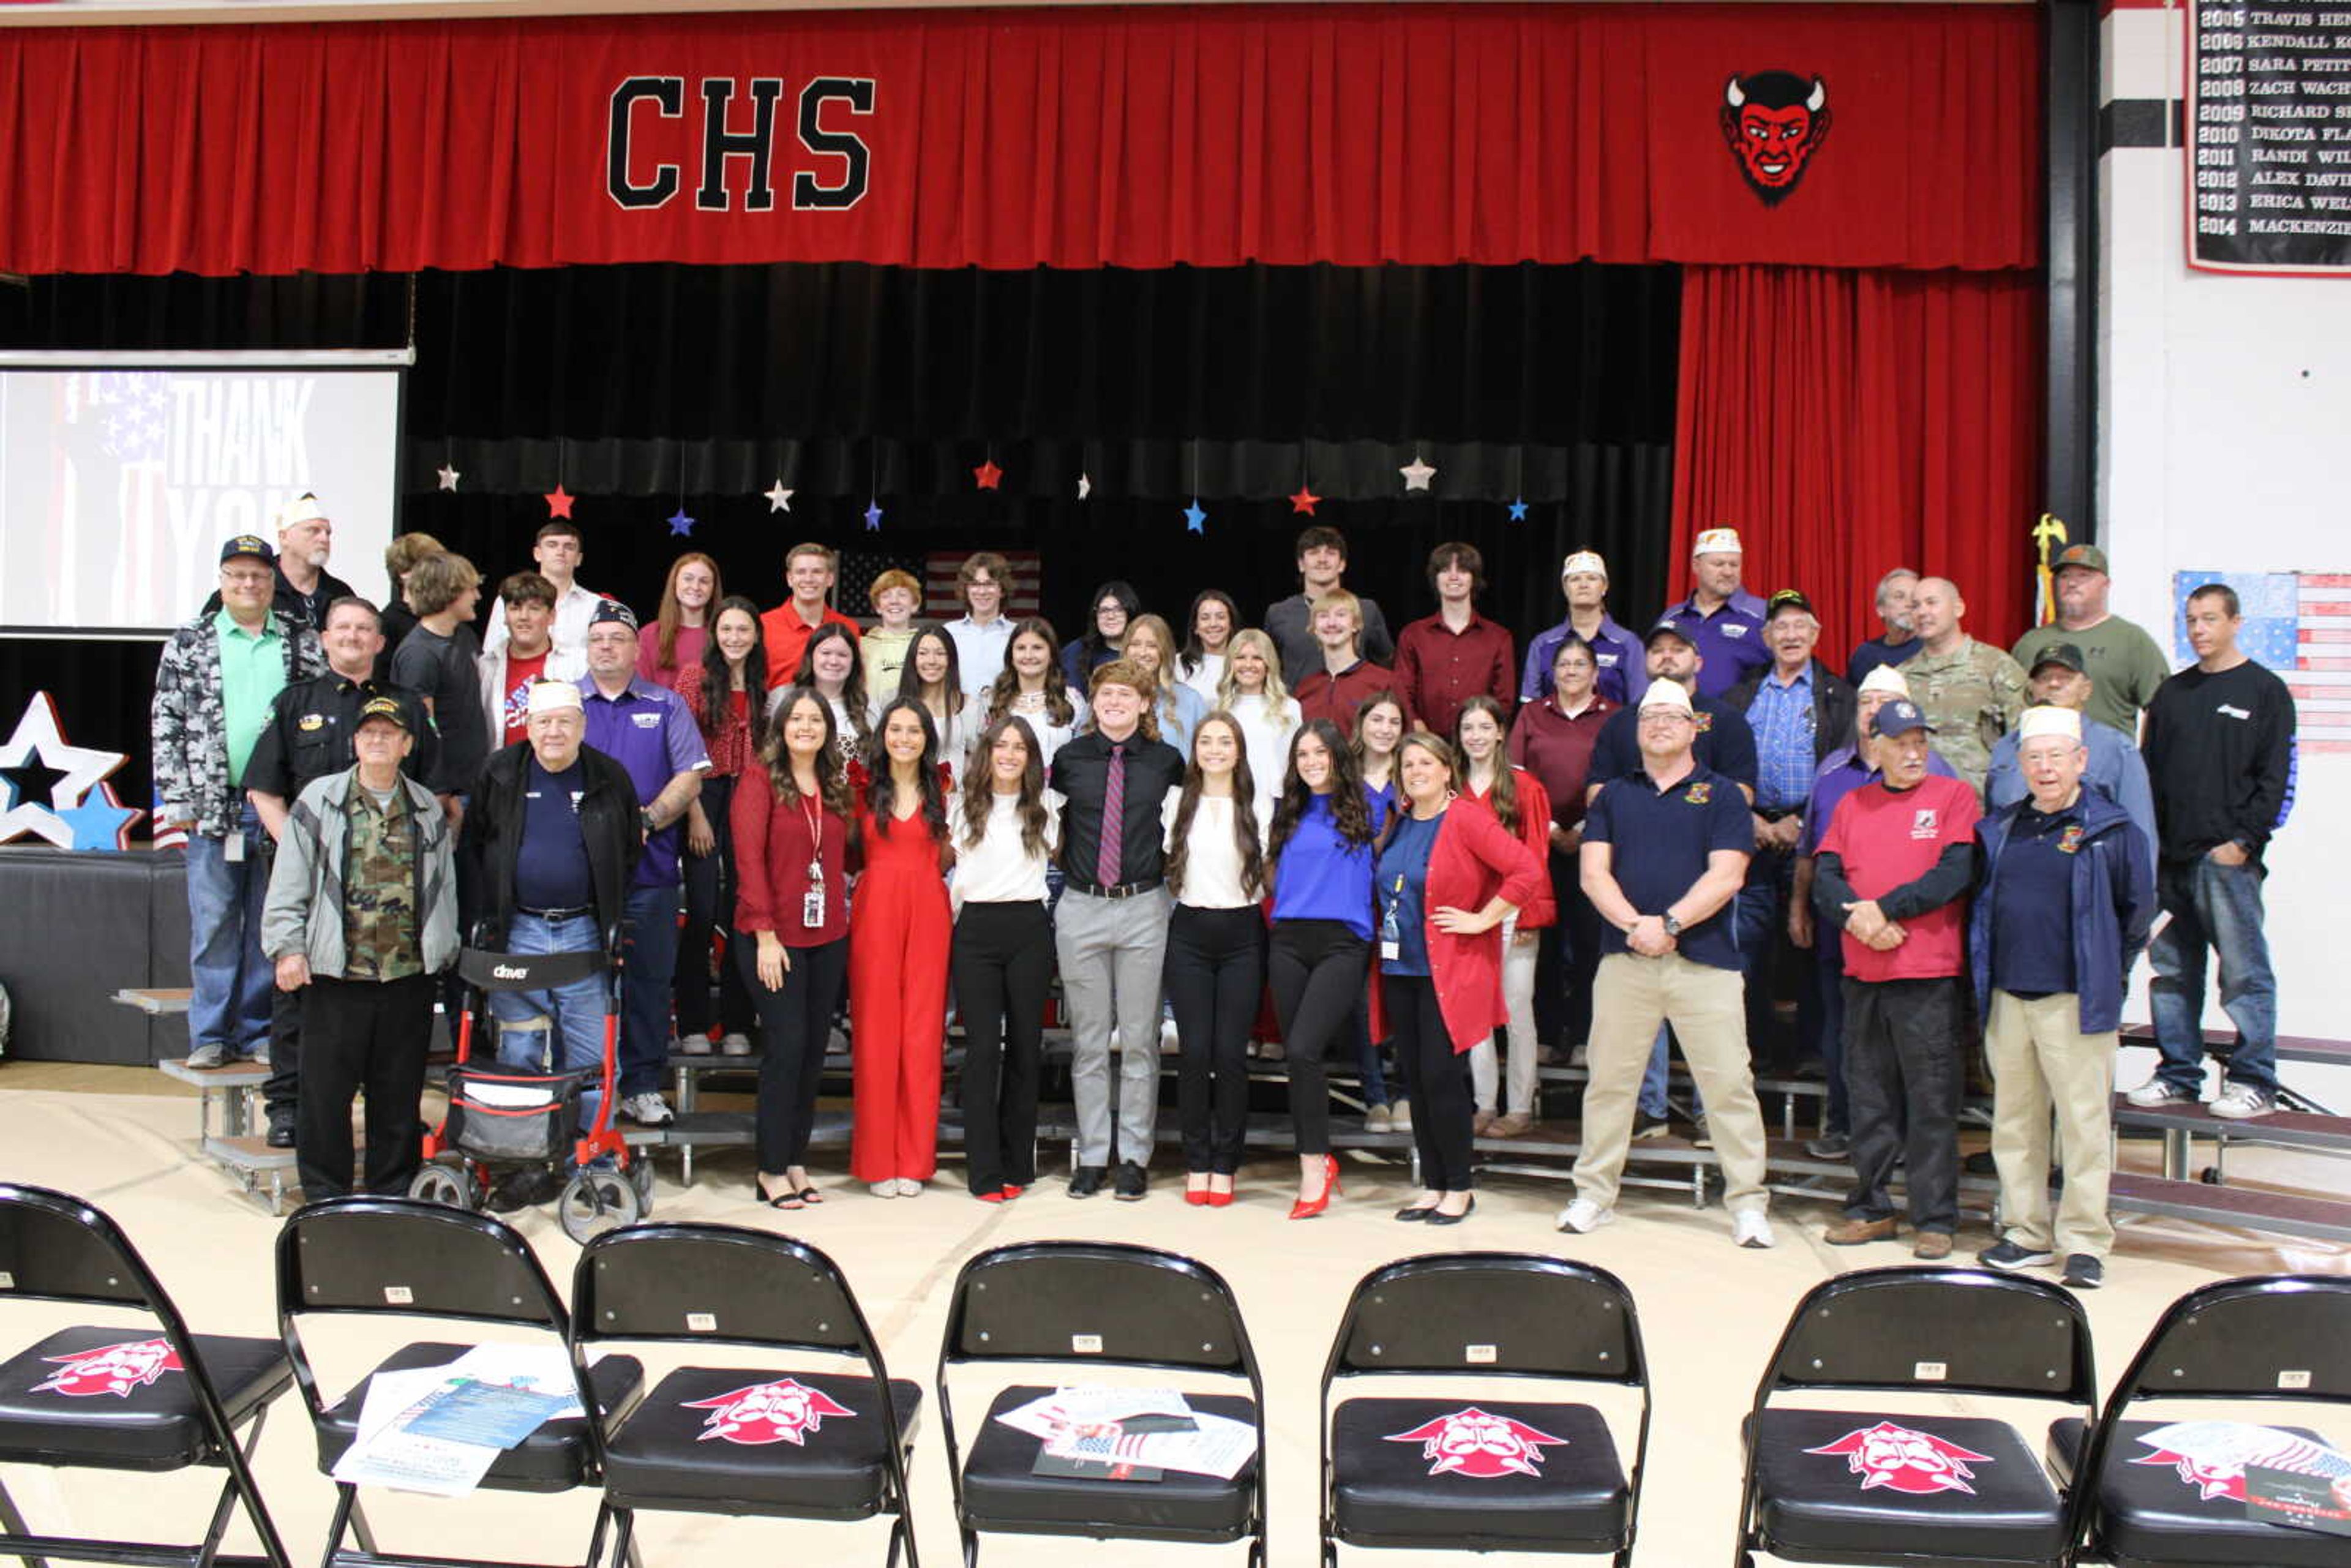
(1437, 668)
(1558, 750)
(772, 845)
(729, 744)
(1336, 698)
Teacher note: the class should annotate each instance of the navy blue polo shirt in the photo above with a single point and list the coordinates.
(2033, 903)
(551, 861)
(1662, 839)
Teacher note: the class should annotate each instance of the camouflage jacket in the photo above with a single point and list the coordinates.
(304, 912)
(1972, 695)
(190, 730)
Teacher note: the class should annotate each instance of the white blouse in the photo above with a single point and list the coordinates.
(1269, 747)
(999, 868)
(1212, 867)
(1050, 736)
(1204, 680)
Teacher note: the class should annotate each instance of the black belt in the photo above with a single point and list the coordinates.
(1123, 890)
(576, 913)
(1774, 814)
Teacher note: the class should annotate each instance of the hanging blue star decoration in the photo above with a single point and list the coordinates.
(872, 516)
(1195, 519)
(679, 523)
(1519, 510)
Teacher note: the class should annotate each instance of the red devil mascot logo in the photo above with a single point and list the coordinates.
(1895, 1456)
(784, 1411)
(1774, 122)
(1472, 1442)
(115, 1369)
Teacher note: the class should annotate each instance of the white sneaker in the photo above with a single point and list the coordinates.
(1581, 1056)
(1584, 1216)
(2242, 1102)
(647, 1109)
(1167, 1035)
(737, 1043)
(690, 1045)
(909, 1188)
(1748, 1228)
(2154, 1092)
(883, 1188)
(1400, 1116)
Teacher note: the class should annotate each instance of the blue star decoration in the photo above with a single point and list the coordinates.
(1519, 510)
(100, 824)
(1195, 519)
(679, 523)
(872, 516)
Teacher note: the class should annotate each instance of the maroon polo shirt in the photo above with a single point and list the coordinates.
(1437, 669)
(1336, 697)
(1557, 749)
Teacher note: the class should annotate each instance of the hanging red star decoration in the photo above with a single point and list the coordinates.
(559, 501)
(988, 475)
(1304, 502)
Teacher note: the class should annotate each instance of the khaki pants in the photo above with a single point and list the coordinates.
(1707, 1008)
(2040, 1062)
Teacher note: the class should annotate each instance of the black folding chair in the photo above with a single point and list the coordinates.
(1863, 1485)
(770, 1441)
(2178, 1500)
(1098, 1303)
(403, 1257)
(1433, 1473)
(124, 1397)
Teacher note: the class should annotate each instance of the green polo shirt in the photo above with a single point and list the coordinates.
(253, 671)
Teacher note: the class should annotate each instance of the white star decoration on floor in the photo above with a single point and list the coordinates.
(81, 812)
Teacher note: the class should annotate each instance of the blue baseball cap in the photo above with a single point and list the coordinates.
(1899, 717)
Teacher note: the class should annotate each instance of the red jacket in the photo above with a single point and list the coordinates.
(1474, 858)
(1336, 698)
(1534, 831)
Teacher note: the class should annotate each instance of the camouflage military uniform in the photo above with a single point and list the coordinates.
(380, 941)
(1972, 695)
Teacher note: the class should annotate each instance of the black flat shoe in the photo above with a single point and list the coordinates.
(1414, 1213)
(1437, 1217)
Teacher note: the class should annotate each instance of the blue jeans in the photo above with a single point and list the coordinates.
(573, 1013)
(649, 948)
(2220, 908)
(229, 979)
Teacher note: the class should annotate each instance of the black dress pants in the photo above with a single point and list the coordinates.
(1903, 1055)
(1213, 971)
(1317, 968)
(710, 908)
(794, 1024)
(1001, 961)
(1439, 1078)
(363, 1037)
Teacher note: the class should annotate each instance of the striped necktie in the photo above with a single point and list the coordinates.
(1113, 827)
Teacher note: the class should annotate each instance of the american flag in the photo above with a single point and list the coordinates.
(2320, 679)
(137, 410)
(1023, 594)
(857, 570)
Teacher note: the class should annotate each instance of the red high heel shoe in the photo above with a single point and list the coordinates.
(1305, 1208)
(1219, 1199)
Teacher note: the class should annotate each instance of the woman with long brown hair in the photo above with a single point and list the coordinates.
(1521, 804)
(675, 639)
(1006, 829)
(725, 693)
(1031, 687)
(1322, 852)
(899, 929)
(1215, 966)
(792, 816)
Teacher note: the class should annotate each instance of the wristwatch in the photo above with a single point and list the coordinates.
(652, 827)
(1673, 926)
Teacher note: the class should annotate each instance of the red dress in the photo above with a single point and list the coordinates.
(899, 928)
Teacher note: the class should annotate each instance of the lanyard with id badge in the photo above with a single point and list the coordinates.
(812, 901)
(1390, 929)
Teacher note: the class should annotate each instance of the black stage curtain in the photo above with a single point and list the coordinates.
(648, 388)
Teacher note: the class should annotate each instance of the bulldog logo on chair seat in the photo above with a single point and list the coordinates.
(115, 1369)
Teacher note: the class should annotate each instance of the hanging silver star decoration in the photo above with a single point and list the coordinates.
(780, 499)
(448, 477)
(1416, 474)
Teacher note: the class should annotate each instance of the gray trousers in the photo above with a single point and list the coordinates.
(1113, 951)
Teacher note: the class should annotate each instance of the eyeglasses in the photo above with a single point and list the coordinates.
(247, 578)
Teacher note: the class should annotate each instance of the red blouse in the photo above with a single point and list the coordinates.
(729, 744)
(774, 841)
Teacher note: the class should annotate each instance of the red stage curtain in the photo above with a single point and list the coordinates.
(1148, 138)
(1849, 421)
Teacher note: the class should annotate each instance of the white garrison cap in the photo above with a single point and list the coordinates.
(303, 508)
(1665, 694)
(553, 696)
(1718, 542)
(1584, 561)
(1887, 679)
(2046, 720)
